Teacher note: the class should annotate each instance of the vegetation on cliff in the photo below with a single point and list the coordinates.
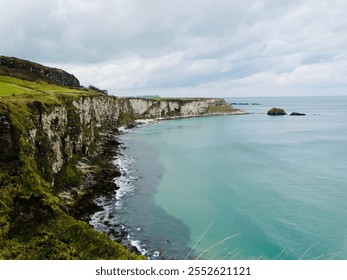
(35, 222)
(49, 126)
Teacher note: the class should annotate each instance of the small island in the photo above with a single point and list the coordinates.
(276, 112)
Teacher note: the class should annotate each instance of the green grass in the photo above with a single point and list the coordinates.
(174, 98)
(10, 86)
(17, 95)
(161, 98)
(35, 222)
(221, 109)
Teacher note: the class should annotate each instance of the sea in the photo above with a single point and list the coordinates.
(241, 187)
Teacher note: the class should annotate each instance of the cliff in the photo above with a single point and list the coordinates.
(47, 132)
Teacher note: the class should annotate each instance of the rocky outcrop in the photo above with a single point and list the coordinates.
(9, 142)
(276, 112)
(6, 147)
(297, 114)
(27, 70)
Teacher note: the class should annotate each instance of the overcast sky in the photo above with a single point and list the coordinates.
(185, 47)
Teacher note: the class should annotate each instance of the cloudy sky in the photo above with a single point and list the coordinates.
(185, 47)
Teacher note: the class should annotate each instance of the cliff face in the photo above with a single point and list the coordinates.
(76, 127)
(7, 151)
(39, 151)
(146, 108)
(45, 133)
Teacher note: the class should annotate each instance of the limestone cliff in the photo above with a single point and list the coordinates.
(43, 137)
(75, 128)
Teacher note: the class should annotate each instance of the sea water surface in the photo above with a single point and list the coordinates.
(241, 187)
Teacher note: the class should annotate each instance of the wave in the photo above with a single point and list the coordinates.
(107, 220)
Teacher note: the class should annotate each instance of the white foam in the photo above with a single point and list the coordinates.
(122, 129)
(143, 122)
(104, 219)
(125, 181)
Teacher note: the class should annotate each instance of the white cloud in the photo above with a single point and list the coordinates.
(180, 47)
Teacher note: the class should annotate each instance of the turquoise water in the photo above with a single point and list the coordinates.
(242, 187)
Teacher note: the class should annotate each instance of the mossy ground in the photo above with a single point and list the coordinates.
(10, 86)
(125, 118)
(221, 109)
(35, 223)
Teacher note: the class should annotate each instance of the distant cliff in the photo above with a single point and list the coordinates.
(45, 133)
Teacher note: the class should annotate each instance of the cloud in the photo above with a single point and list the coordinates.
(180, 47)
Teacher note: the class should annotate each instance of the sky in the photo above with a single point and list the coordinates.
(185, 47)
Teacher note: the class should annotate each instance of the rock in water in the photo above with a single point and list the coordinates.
(276, 112)
(297, 114)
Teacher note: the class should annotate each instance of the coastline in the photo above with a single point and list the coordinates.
(119, 182)
(99, 191)
(121, 131)
(148, 121)
(106, 218)
(57, 141)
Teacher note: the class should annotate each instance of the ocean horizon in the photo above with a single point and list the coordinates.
(238, 187)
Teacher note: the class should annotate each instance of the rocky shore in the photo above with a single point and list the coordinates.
(99, 182)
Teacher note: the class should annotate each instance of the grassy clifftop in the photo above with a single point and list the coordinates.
(35, 222)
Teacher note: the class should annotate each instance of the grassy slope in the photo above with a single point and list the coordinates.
(10, 86)
(34, 222)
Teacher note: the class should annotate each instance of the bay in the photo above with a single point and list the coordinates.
(242, 187)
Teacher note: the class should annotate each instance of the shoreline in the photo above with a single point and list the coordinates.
(103, 187)
(108, 218)
(149, 121)
(100, 190)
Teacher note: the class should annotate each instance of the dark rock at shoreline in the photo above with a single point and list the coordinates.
(241, 103)
(297, 114)
(100, 181)
(276, 112)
